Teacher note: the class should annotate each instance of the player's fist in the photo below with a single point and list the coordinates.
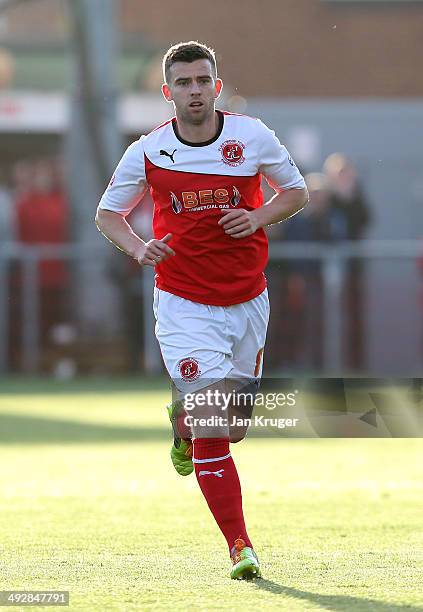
(239, 223)
(155, 251)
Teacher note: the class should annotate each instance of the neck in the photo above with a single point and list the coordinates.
(198, 133)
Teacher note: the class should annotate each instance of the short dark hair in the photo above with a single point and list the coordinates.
(187, 52)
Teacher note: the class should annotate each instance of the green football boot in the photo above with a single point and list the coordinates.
(181, 451)
(246, 566)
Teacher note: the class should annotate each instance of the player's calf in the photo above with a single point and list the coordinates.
(241, 408)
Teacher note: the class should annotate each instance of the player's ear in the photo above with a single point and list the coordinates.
(218, 88)
(166, 92)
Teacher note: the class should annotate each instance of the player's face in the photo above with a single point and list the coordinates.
(193, 89)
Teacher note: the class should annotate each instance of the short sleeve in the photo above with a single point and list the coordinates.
(128, 183)
(275, 163)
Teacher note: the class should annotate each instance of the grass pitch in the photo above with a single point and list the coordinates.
(89, 503)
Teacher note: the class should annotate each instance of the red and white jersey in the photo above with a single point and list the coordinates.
(191, 183)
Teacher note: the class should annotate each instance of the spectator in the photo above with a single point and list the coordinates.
(42, 215)
(319, 222)
(346, 194)
(348, 199)
(297, 331)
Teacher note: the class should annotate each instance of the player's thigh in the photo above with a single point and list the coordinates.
(249, 325)
(194, 346)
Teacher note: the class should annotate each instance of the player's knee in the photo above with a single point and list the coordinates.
(237, 434)
(236, 440)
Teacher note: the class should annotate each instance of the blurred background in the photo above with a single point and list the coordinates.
(338, 82)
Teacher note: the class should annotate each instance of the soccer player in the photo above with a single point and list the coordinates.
(204, 170)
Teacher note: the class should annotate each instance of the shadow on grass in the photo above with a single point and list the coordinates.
(335, 603)
(21, 429)
(23, 385)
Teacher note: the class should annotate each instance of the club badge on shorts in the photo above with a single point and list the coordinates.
(189, 369)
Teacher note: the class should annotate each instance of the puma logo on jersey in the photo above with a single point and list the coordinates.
(166, 154)
(218, 473)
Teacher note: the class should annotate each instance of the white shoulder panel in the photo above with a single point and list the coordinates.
(276, 164)
(128, 183)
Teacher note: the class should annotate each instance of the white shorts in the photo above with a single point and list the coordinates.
(203, 344)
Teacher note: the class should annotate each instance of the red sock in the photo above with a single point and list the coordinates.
(218, 479)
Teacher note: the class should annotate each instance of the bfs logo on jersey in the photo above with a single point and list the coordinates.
(189, 369)
(194, 201)
(232, 152)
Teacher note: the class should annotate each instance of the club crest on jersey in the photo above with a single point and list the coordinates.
(232, 152)
(189, 369)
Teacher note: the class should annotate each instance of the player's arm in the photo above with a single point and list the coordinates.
(115, 228)
(283, 176)
(281, 206)
(241, 223)
(124, 192)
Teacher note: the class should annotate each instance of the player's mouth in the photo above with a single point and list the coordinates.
(196, 104)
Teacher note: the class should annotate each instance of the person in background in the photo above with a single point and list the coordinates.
(346, 194)
(302, 332)
(348, 199)
(42, 218)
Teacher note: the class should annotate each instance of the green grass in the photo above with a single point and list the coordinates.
(89, 503)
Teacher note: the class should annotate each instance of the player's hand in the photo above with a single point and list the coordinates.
(239, 223)
(155, 251)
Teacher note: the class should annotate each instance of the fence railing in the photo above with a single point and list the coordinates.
(333, 259)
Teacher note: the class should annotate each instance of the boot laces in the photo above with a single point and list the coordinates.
(188, 452)
(239, 546)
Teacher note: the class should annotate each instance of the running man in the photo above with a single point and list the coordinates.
(204, 170)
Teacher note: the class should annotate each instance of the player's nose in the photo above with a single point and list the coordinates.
(195, 88)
